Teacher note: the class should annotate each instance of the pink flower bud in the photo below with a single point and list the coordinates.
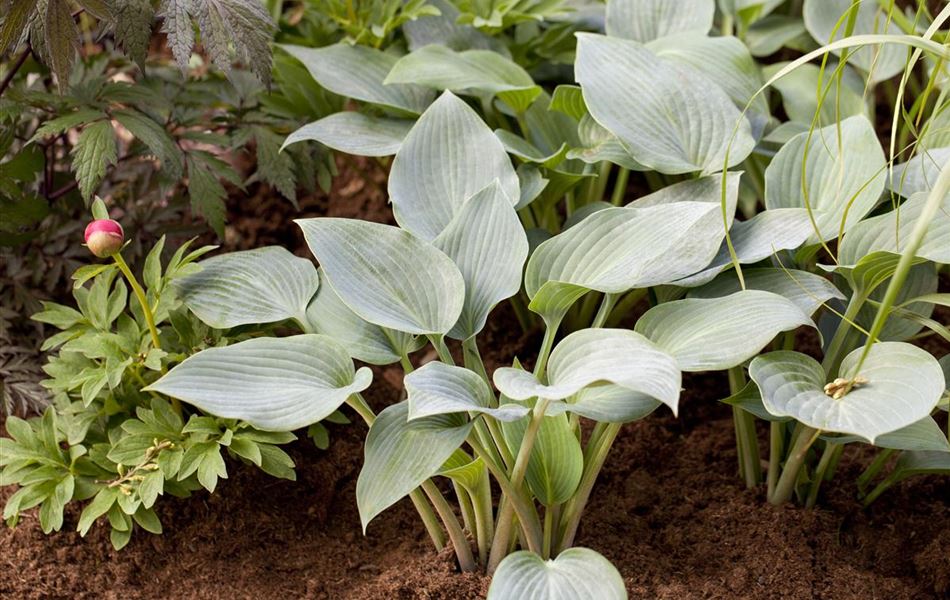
(104, 237)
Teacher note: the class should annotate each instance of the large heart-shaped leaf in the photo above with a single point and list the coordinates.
(443, 29)
(799, 93)
(364, 341)
(712, 334)
(481, 71)
(889, 232)
(401, 454)
(807, 290)
(275, 384)
(264, 285)
(843, 179)
(902, 385)
(618, 356)
(671, 117)
(358, 72)
(924, 435)
(881, 61)
(489, 246)
(354, 133)
(575, 573)
(447, 157)
(440, 389)
(556, 463)
(919, 173)
(646, 20)
(386, 275)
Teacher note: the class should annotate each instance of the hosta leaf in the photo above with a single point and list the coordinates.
(370, 343)
(556, 462)
(589, 356)
(440, 389)
(799, 90)
(750, 400)
(670, 117)
(569, 100)
(921, 280)
(881, 61)
(924, 435)
(658, 239)
(434, 173)
(769, 35)
(386, 275)
(489, 246)
(444, 30)
(919, 173)
(95, 149)
(889, 232)
(646, 20)
(575, 573)
(920, 463)
(264, 285)
(903, 385)
(401, 454)
(807, 290)
(354, 133)
(275, 384)
(608, 403)
(479, 71)
(460, 468)
(843, 177)
(719, 333)
(358, 72)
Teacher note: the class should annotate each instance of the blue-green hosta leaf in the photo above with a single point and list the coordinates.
(597, 144)
(617, 356)
(843, 177)
(924, 435)
(919, 173)
(904, 383)
(489, 246)
(355, 133)
(401, 454)
(275, 384)
(750, 400)
(727, 61)
(447, 157)
(556, 463)
(920, 463)
(569, 100)
(386, 275)
(647, 20)
(670, 117)
(264, 285)
(889, 232)
(439, 389)
(370, 343)
(478, 71)
(771, 34)
(444, 30)
(518, 146)
(921, 280)
(460, 468)
(807, 290)
(799, 90)
(658, 239)
(608, 403)
(881, 61)
(575, 573)
(713, 334)
(358, 72)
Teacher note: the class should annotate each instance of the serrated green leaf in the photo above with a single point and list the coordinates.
(95, 149)
(61, 38)
(155, 137)
(133, 28)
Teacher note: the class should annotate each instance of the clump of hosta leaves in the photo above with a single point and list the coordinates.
(107, 441)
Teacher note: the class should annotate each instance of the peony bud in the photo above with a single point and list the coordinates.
(104, 237)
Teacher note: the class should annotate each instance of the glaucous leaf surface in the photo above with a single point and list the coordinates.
(921, 280)
(881, 61)
(386, 275)
(844, 177)
(447, 157)
(646, 20)
(750, 400)
(607, 403)
(264, 285)
(479, 71)
(489, 246)
(355, 133)
(358, 72)
(589, 356)
(401, 454)
(575, 573)
(920, 463)
(799, 90)
(889, 232)
(924, 435)
(713, 334)
(670, 117)
(919, 173)
(556, 463)
(364, 341)
(440, 389)
(771, 34)
(275, 384)
(444, 30)
(806, 290)
(904, 383)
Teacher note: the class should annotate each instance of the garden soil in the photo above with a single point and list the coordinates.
(669, 511)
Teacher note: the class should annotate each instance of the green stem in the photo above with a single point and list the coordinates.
(606, 306)
(827, 457)
(472, 359)
(873, 469)
(776, 447)
(525, 320)
(879, 489)
(796, 458)
(438, 342)
(838, 346)
(624, 306)
(465, 506)
(462, 550)
(546, 344)
(503, 529)
(620, 187)
(140, 295)
(548, 532)
(484, 519)
(747, 441)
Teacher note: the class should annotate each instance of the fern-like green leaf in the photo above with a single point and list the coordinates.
(61, 40)
(179, 30)
(94, 151)
(273, 166)
(133, 28)
(16, 15)
(205, 189)
(155, 137)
